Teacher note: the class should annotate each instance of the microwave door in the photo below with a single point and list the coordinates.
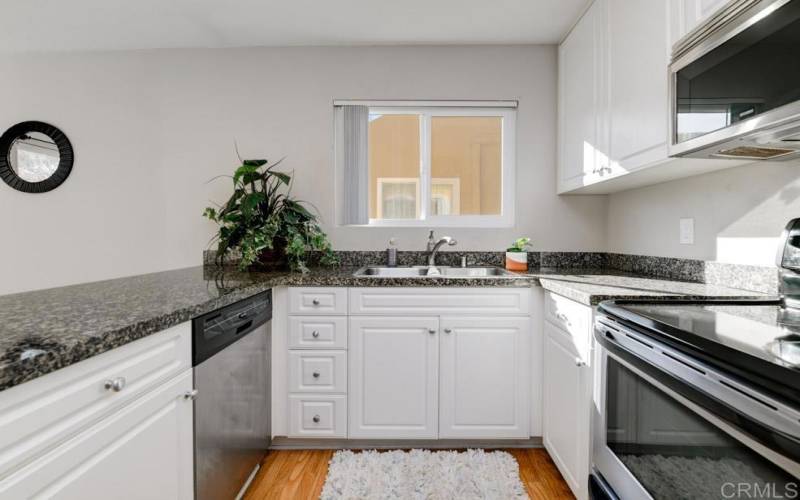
(741, 79)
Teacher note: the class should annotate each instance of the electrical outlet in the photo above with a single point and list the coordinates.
(687, 231)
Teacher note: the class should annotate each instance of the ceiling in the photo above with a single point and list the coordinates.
(56, 25)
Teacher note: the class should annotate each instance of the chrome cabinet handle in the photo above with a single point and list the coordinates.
(315, 334)
(315, 302)
(316, 419)
(448, 330)
(115, 384)
(315, 374)
(579, 362)
(431, 330)
(190, 395)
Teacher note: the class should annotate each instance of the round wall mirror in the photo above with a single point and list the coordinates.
(35, 157)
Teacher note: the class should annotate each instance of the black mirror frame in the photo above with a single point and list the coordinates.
(66, 157)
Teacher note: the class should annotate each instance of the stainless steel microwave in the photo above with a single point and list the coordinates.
(735, 84)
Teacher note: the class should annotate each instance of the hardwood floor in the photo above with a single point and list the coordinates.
(300, 474)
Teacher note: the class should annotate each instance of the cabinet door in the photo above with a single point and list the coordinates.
(393, 373)
(566, 405)
(637, 83)
(689, 14)
(484, 377)
(144, 450)
(579, 68)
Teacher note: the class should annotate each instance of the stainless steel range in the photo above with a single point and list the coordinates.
(700, 399)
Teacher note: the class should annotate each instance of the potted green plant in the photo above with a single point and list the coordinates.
(264, 224)
(517, 255)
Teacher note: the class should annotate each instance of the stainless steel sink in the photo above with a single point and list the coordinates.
(392, 272)
(473, 272)
(432, 272)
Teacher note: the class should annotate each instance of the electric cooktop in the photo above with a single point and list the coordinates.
(758, 341)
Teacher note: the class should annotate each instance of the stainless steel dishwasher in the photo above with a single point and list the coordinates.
(231, 359)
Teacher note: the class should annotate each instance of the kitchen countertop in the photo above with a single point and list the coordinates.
(42, 331)
(595, 286)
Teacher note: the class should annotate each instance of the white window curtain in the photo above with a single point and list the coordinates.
(355, 155)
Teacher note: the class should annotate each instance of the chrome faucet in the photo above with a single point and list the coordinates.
(434, 245)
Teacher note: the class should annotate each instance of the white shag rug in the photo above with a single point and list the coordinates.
(423, 474)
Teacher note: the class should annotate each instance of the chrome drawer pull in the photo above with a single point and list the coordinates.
(431, 331)
(315, 334)
(448, 330)
(316, 419)
(115, 384)
(315, 374)
(190, 395)
(315, 302)
(579, 362)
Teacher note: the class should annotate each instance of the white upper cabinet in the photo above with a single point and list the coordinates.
(614, 96)
(686, 15)
(637, 83)
(579, 100)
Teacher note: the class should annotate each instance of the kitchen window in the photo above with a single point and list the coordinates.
(442, 164)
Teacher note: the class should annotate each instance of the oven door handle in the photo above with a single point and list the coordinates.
(741, 398)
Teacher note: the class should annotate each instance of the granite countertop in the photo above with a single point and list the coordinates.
(42, 331)
(594, 286)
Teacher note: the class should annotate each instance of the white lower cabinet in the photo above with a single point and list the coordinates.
(142, 451)
(393, 374)
(566, 401)
(420, 363)
(446, 378)
(318, 416)
(566, 412)
(484, 377)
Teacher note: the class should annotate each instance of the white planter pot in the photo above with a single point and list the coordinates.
(517, 261)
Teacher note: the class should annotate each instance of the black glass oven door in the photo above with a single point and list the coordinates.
(674, 453)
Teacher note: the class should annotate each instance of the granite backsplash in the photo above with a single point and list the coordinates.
(754, 278)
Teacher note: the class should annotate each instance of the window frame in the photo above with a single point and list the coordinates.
(506, 110)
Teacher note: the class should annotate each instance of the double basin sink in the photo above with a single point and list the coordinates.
(431, 272)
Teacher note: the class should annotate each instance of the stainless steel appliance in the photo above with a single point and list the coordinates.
(231, 356)
(700, 399)
(735, 84)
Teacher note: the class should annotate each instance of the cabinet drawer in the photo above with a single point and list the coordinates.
(570, 317)
(317, 300)
(317, 416)
(318, 371)
(37, 415)
(317, 332)
(428, 300)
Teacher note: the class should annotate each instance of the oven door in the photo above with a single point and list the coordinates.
(652, 441)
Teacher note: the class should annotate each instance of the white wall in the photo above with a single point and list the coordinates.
(739, 214)
(150, 128)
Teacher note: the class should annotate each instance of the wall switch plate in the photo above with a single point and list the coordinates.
(687, 231)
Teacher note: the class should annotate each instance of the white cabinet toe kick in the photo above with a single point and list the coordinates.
(371, 366)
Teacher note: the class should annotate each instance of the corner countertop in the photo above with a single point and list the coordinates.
(591, 287)
(42, 331)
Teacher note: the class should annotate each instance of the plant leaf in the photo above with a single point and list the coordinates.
(243, 170)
